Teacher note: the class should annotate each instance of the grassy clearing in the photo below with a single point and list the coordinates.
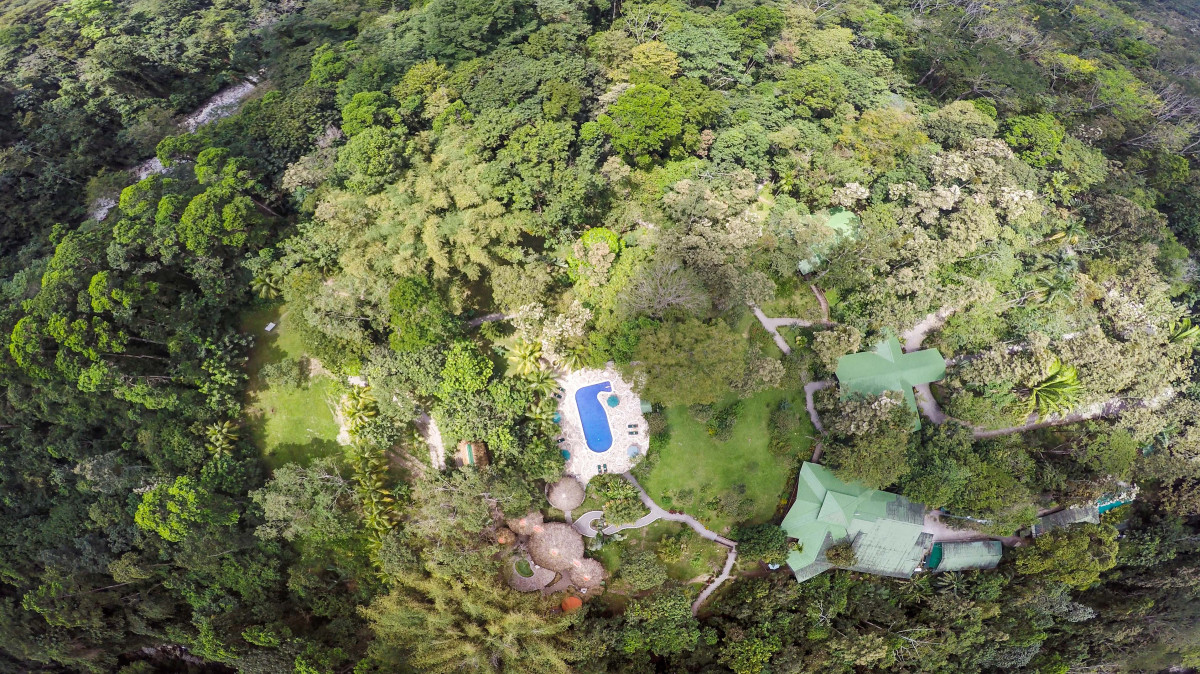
(287, 425)
(800, 303)
(695, 472)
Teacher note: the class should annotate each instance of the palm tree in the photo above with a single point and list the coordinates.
(572, 358)
(360, 406)
(265, 286)
(951, 582)
(542, 382)
(543, 412)
(1070, 234)
(1056, 276)
(525, 356)
(1058, 392)
(221, 437)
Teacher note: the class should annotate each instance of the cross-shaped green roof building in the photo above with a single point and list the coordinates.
(888, 368)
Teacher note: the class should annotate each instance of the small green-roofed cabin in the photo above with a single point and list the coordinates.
(841, 225)
(888, 368)
(885, 530)
(1066, 517)
(963, 555)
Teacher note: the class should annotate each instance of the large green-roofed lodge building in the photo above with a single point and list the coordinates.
(888, 368)
(885, 530)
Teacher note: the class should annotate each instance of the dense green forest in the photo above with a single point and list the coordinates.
(440, 208)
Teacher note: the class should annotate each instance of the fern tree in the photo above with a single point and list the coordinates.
(1057, 393)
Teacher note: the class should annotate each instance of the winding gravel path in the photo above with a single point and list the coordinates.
(429, 430)
(486, 318)
(809, 389)
(584, 526)
(772, 325)
(915, 337)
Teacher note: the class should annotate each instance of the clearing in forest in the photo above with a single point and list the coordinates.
(726, 482)
(287, 422)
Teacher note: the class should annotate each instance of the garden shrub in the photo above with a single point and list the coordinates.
(720, 425)
(841, 555)
(288, 373)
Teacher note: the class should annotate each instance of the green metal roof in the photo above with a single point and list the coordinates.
(844, 224)
(888, 368)
(886, 529)
(1066, 517)
(960, 555)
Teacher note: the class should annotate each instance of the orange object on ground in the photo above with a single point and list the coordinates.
(571, 603)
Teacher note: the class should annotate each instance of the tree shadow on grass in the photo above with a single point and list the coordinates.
(302, 453)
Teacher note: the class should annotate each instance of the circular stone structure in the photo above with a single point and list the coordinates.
(556, 547)
(566, 494)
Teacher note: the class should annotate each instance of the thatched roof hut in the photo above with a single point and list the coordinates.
(527, 524)
(505, 536)
(588, 573)
(566, 494)
(557, 546)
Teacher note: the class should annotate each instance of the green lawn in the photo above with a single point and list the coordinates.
(693, 461)
(287, 425)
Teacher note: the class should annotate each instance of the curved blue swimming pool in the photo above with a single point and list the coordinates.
(595, 419)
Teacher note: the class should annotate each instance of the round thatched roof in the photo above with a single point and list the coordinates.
(557, 546)
(587, 574)
(566, 494)
(505, 536)
(527, 524)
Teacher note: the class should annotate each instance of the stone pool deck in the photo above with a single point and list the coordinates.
(624, 419)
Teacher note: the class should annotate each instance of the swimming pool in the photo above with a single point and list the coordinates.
(595, 419)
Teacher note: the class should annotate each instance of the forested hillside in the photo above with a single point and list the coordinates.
(248, 340)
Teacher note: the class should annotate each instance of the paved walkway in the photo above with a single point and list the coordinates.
(913, 339)
(772, 325)
(584, 526)
(486, 318)
(429, 430)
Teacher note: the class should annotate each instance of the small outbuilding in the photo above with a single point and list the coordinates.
(557, 546)
(588, 573)
(472, 453)
(963, 555)
(1066, 517)
(566, 494)
(528, 524)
